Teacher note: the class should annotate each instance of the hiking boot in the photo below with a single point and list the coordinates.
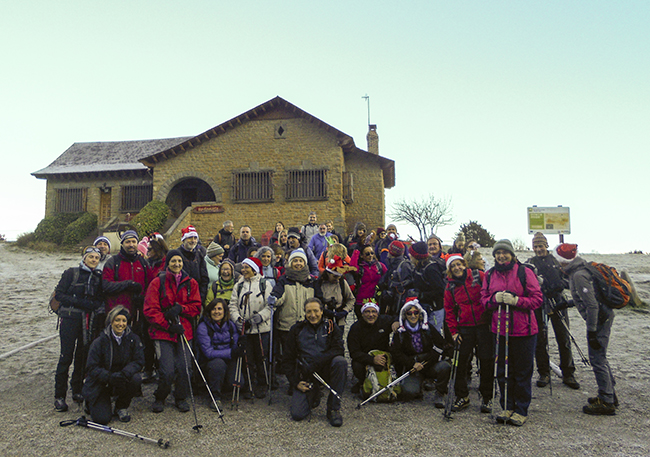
(599, 408)
(592, 400)
(504, 416)
(543, 380)
(335, 418)
(77, 398)
(428, 385)
(571, 382)
(517, 419)
(438, 400)
(158, 406)
(486, 406)
(214, 408)
(60, 405)
(123, 415)
(183, 406)
(356, 388)
(460, 404)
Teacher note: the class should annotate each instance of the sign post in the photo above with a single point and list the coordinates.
(549, 220)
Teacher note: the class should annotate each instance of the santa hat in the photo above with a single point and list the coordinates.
(419, 250)
(188, 232)
(254, 263)
(565, 252)
(369, 303)
(412, 302)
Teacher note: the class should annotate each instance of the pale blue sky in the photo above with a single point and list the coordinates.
(500, 105)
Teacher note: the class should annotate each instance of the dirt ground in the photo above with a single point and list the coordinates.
(556, 424)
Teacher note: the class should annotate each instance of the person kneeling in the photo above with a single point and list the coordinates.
(315, 346)
(115, 360)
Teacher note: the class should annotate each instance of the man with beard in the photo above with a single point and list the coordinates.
(194, 259)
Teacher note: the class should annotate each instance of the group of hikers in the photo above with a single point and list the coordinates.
(241, 315)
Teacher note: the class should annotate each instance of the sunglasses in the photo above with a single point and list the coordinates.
(368, 254)
(413, 313)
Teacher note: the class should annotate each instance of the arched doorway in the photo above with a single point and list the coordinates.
(187, 191)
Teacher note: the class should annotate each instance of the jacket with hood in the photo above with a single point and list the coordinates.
(291, 297)
(463, 307)
(254, 303)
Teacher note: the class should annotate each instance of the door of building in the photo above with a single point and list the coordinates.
(105, 205)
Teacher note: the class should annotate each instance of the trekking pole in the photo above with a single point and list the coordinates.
(327, 386)
(390, 385)
(187, 344)
(264, 359)
(236, 386)
(505, 360)
(83, 422)
(245, 301)
(585, 360)
(496, 362)
(271, 360)
(545, 319)
(452, 379)
(196, 427)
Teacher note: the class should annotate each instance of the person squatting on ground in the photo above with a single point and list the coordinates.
(371, 332)
(115, 359)
(80, 294)
(554, 286)
(217, 339)
(468, 323)
(169, 308)
(415, 343)
(315, 345)
(599, 319)
(513, 305)
(252, 315)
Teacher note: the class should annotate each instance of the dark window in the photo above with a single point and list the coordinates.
(348, 187)
(306, 185)
(134, 198)
(252, 186)
(70, 200)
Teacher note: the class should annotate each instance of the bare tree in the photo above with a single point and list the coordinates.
(426, 214)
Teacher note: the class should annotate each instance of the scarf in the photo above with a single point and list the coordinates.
(416, 337)
(297, 275)
(506, 267)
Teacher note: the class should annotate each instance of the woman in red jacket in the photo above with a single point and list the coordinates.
(370, 272)
(169, 307)
(468, 323)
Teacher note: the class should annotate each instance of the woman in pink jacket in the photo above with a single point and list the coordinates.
(512, 291)
(370, 272)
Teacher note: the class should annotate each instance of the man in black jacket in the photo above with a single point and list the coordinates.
(370, 333)
(225, 238)
(315, 345)
(194, 259)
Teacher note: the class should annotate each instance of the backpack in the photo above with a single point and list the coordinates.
(262, 287)
(116, 268)
(55, 304)
(611, 289)
(162, 276)
(377, 380)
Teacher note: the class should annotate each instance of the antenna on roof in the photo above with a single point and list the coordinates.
(367, 98)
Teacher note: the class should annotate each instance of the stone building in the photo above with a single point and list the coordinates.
(273, 162)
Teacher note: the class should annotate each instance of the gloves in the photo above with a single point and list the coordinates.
(340, 315)
(133, 287)
(117, 379)
(176, 328)
(272, 300)
(498, 297)
(256, 319)
(86, 304)
(172, 313)
(592, 339)
(328, 313)
(510, 299)
(239, 323)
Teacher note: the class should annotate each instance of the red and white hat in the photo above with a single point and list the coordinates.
(188, 232)
(565, 252)
(254, 263)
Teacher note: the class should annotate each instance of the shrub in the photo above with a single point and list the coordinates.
(474, 231)
(51, 229)
(151, 219)
(24, 239)
(75, 232)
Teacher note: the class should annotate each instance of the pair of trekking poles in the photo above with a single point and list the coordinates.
(243, 359)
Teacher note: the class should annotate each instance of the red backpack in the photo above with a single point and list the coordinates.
(611, 289)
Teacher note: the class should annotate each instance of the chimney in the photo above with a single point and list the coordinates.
(373, 139)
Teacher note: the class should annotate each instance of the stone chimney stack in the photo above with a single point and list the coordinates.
(373, 139)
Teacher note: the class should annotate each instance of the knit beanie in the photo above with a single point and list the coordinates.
(214, 249)
(565, 252)
(419, 250)
(539, 238)
(112, 314)
(129, 234)
(504, 244)
(172, 253)
(297, 253)
(104, 239)
(396, 248)
(293, 232)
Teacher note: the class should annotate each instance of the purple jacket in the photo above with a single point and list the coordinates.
(522, 317)
(223, 339)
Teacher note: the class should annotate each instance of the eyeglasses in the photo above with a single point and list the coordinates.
(413, 313)
(368, 254)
